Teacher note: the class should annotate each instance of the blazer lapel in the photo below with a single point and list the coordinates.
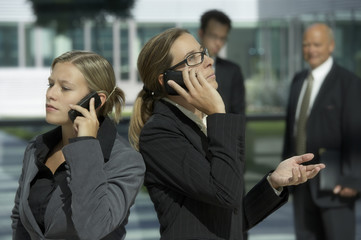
(189, 128)
(29, 175)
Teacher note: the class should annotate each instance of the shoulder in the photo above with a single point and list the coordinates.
(164, 114)
(301, 74)
(123, 158)
(167, 121)
(122, 147)
(343, 72)
(226, 63)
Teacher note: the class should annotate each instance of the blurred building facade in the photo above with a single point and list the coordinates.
(266, 40)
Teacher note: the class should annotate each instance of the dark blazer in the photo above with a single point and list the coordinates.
(195, 181)
(230, 85)
(334, 123)
(105, 175)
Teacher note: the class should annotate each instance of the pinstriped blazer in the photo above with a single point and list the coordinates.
(195, 181)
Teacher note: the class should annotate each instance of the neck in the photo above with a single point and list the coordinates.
(67, 133)
(181, 101)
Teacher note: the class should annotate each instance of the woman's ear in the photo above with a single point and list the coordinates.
(103, 99)
(160, 79)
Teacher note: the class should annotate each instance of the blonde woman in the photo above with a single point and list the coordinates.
(79, 180)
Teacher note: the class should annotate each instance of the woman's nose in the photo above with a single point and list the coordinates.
(51, 93)
(208, 61)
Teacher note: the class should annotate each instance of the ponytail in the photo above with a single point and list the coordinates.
(142, 111)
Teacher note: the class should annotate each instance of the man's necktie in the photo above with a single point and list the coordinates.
(302, 118)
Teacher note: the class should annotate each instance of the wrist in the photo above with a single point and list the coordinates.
(273, 183)
(277, 189)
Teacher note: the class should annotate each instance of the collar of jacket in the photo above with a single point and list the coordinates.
(167, 109)
(106, 136)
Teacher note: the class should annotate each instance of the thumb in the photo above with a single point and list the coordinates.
(337, 189)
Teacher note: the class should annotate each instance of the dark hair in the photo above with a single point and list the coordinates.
(216, 15)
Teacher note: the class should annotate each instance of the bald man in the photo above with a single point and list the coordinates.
(331, 124)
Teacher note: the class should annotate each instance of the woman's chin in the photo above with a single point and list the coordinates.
(55, 120)
(214, 84)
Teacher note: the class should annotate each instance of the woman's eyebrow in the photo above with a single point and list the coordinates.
(193, 51)
(61, 81)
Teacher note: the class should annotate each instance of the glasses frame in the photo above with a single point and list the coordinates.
(185, 61)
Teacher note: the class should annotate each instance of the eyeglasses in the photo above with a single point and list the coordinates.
(192, 59)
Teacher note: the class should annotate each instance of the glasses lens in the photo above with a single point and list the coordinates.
(194, 59)
(206, 52)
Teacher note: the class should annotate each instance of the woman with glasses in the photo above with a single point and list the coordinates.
(194, 150)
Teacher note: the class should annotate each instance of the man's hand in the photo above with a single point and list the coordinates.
(344, 191)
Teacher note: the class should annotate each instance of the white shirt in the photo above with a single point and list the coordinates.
(319, 74)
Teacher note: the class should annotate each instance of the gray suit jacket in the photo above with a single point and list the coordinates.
(104, 176)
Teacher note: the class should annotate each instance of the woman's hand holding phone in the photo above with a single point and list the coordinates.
(88, 124)
(201, 94)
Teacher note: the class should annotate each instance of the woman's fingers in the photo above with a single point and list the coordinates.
(304, 158)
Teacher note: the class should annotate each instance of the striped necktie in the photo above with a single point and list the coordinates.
(302, 118)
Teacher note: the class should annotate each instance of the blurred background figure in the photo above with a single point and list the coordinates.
(323, 117)
(213, 34)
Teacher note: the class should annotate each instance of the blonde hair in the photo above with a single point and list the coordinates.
(99, 74)
(153, 60)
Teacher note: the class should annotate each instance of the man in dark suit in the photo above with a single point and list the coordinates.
(332, 123)
(213, 32)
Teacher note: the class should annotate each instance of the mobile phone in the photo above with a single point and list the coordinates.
(175, 76)
(84, 102)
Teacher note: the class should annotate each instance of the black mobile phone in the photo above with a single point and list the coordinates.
(85, 104)
(175, 76)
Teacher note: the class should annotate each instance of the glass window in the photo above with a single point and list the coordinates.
(347, 52)
(102, 40)
(77, 38)
(124, 52)
(8, 45)
(71, 39)
(261, 50)
(51, 45)
(30, 45)
(146, 31)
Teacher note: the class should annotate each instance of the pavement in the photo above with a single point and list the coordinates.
(143, 223)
